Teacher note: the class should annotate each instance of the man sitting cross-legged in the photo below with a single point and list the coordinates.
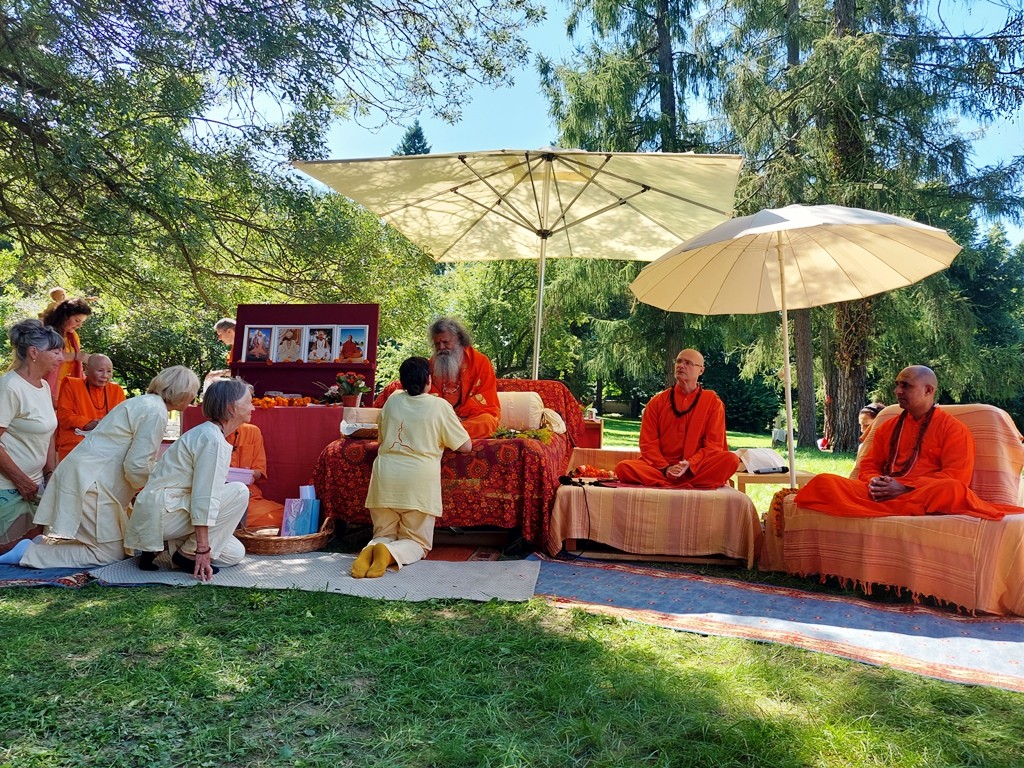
(919, 463)
(682, 435)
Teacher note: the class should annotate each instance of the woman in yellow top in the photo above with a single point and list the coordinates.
(405, 486)
(66, 318)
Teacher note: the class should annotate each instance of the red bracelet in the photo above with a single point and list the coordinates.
(203, 551)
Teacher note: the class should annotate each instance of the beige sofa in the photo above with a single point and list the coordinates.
(653, 521)
(964, 561)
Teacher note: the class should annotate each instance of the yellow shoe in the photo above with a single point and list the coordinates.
(362, 563)
(381, 560)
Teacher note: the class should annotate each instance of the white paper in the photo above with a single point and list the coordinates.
(361, 415)
(307, 492)
(349, 429)
(239, 475)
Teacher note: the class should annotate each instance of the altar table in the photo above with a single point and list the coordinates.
(293, 438)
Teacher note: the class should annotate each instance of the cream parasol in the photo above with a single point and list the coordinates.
(540, 204)
(793, 258)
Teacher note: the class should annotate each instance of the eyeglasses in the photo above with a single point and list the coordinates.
(689, 364)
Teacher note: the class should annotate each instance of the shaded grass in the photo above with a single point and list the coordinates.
(228, 677)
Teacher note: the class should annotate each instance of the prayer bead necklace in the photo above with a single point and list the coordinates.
(106, 405)
(889, 468)
(672, 401)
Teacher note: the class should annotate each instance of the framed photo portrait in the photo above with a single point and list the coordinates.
(320, 343)
(256, 344)
(288, 344)
(352, 343)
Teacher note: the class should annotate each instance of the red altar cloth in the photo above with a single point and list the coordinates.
(293, 438)
(506, 483)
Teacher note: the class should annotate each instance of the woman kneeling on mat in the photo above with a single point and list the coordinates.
(187, 502)
(85, 506)
(405, 487)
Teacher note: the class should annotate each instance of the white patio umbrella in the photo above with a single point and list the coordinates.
(793, 258)
(540, 204)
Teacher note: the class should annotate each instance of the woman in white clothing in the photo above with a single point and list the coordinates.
(85, 505)
(27, 424)
(187, 502)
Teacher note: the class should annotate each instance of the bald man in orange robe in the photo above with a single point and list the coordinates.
(919, 464)
(247, 452)
(682, 435)
(83, 402)
(464, 377)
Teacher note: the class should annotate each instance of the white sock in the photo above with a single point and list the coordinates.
(13, 557)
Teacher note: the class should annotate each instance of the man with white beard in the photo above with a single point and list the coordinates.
(464, 377)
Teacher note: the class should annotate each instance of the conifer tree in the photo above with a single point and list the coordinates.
(413, 142)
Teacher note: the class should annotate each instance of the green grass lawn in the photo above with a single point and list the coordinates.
(210, 676)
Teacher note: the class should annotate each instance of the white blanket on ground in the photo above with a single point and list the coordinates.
(511, 580)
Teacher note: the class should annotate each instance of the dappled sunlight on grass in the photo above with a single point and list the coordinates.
(237, 677)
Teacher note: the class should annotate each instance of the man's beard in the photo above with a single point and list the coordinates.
(448, 364)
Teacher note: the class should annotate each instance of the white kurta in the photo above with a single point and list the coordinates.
(87, 499)
(188, 478)
(414, 431)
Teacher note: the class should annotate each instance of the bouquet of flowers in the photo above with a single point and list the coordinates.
(347, 384)
(351, 383)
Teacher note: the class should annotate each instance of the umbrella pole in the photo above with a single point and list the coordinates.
(787, 373)
(540, 310)
(543, 234)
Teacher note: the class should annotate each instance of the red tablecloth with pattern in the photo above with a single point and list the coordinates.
(506, 483)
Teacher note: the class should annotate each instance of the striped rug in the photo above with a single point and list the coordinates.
(927, 641)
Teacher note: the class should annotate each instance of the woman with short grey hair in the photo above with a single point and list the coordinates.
(27, 424)
(187, 502)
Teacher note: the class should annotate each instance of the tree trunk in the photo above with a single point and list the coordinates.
(852, 330)
(674, 344)
(807, 417)
(666, 80)
(803, 348)
(852, 319)
(830, 378)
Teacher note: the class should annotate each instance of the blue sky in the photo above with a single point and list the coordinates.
(517, 117)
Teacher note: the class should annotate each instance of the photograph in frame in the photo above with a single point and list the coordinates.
(320, 343)
(352, 343)
(289, 343)
(256, 343)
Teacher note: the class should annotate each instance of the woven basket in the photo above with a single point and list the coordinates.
(285, 545)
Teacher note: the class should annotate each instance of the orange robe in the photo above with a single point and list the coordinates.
(666, 439)
(247, 452)
(77, 405)
(67, 368)
(476, 402)
(939, 478)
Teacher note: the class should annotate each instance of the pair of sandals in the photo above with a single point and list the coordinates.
(147, 562)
